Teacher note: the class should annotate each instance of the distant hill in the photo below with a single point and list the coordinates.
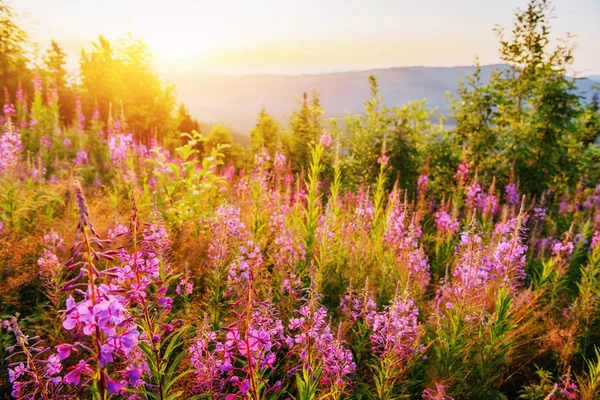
(236, 100)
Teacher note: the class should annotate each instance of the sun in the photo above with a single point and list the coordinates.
(178, 52)
(182, 52)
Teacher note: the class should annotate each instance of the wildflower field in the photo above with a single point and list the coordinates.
(382, 256)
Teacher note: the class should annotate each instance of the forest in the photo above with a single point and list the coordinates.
(390, 254)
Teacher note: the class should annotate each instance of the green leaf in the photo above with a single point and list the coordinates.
(177, 378)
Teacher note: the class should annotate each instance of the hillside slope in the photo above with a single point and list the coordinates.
(237, 100)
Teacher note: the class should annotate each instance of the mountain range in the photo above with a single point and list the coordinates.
(237, 100)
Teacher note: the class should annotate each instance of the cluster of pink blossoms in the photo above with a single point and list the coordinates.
(354, 306)
(81, 159)
(11, 148)
(477, 199)
(512, 195)
(214, 360)
(316, 346)
(395, 330)
(119, 146)
(462, 174)
(38, 376)
(403, 237)
(446, 224)
(325, 139)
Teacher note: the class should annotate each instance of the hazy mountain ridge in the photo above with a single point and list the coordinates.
(236, 100)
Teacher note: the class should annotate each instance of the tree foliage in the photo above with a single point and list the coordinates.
(13, 50)
(266, 134)
(305, 129)
(524, 119)
(123, 73)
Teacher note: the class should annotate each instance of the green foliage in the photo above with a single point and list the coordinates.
(219, 135)
(13, 50)
(587, 304)
(180, 185)
(364, 138)
(266, 133)
(22, 206)
(541, 390)
(307, 383)
(123, 74)
(55, 60)
(187, 123)
(305, 129)
(415, 144)
(164, 362)
(524, 119)
(414, 141)
(312, 209)
(589, 382)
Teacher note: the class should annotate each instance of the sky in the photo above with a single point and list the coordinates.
(309, 36)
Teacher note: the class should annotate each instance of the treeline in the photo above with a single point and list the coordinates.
(526, 125)
(118, 74)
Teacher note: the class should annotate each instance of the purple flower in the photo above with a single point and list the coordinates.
(383, 159)
(296, 323)
(280, 162)
(53, 365)
(133, 375)
(10, 149)
(244, 386)
(539, 213)
(81, 368)
(318, 349)
(119, 230)
(438, 394)
(165, 302)
(120, 146)
(473, 194)
(63, 350)
(81, 159)
(445, 223)
(262, 157)
(14, 374)
(395, 330)
(512, 195)
(402, 237)
(106, 354)
(562, 248)
(567, 388)
(325, 139)
(44, 141)
(8, 110)
(114, 386)
(185, 286)
(462, 174)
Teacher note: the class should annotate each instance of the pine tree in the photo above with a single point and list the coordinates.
(266, 133)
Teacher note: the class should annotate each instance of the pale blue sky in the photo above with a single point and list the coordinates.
(309, 36)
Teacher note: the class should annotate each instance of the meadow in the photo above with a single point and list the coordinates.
(381, 256)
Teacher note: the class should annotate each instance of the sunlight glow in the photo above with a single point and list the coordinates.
(283, 37)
